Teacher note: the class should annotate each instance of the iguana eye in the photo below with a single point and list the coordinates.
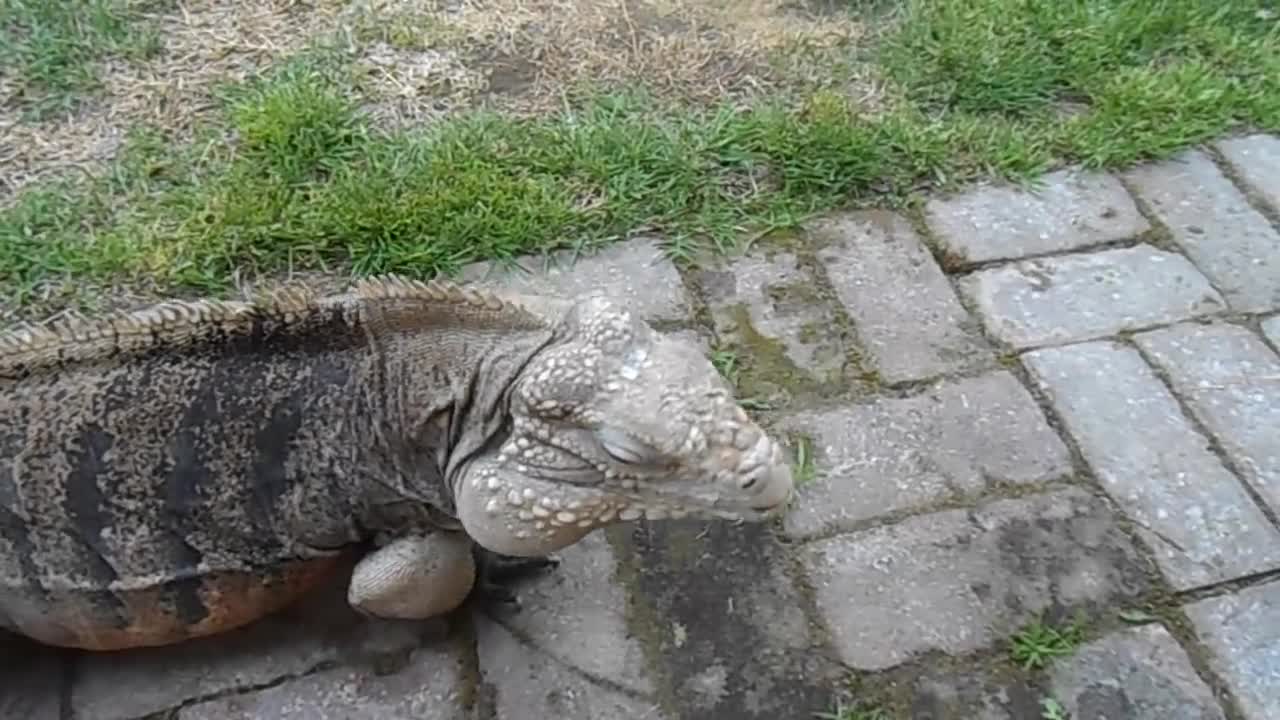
(624, 448)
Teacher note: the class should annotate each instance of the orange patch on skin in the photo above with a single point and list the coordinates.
(232, 599)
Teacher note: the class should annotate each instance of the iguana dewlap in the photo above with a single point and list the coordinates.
(188, 468)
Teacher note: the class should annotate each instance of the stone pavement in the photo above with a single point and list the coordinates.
(1021, 407)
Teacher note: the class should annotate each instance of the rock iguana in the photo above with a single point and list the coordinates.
(185, 469)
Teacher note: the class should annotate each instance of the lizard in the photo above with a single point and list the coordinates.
(186, 468)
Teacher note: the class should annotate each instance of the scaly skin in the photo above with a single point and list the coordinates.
(189, 468)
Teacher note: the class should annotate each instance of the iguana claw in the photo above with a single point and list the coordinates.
(495, 572)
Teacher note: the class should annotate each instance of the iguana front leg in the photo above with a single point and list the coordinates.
(414, 577)
(421, 576)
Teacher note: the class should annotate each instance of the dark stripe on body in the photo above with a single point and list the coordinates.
(183, 594)
(84, 508)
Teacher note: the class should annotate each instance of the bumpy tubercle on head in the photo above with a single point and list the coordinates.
(516, 514)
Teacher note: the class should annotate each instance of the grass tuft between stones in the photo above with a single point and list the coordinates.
(291, 174)
(857, 711)
(1039, 643)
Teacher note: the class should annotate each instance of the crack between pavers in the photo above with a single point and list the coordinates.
(1129, 241)
(1214, 445)
(173, 710)
(967, 501)
(1252, 196)
(1227, 587)
(1162, 238)
(525, 639)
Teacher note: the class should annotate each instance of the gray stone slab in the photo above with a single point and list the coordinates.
(1242, 633)
(635, 272)
(321, 629)
(1070, 298)
(1271, 328)
(1195, 515)
(767, 293)
(32, 679)
(907, 316)
(961, 580)
(577, 614)
(972, 695)
(1255, 159)
(1231, 381)
(529, 684)
(1139, 673)
(1213, 223)
(955, 438)
(723, 624)
(1072, 209)
(429, 687)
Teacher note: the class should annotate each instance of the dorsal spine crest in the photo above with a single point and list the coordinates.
(175, 323)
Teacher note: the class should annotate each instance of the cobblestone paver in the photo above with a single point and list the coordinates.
(1256, 159)
(1025, 408)
(1231, 381)
(1069, 210)
(1211, 220)
(1137, 672)
(1242, 632)
(955, 438)
(1068, 298)
(920, 329)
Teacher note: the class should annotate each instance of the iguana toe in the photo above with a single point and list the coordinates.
(496, 572)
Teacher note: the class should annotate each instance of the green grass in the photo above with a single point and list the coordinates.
(304, 180)
(852, 712)
(1051, 709)
(1039, 643)
(1152, 76)
(51, 47)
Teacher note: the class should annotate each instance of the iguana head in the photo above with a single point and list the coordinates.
(612, 422)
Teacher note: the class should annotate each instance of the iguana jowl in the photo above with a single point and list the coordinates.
(186, 469)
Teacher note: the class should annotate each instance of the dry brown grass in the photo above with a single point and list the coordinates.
(205, 42)
(527, 56)
(419, 59)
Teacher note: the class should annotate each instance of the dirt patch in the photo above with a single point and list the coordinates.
(205, 42)
(417, 60)
(529, 56)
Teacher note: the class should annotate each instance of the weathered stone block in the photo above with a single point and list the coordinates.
(1081, 297)
(892, 454)
(1140, 673)
(1242, 633)
(1210, 219)
(636, 273)
(1271, 328)
(575, 613)
(766, 293)
(961, 580)
(1072, 209)
(429, 687)
(907, 315)
(1255, 159)
(530, 684)
(1195, 515)
(1231, 381)
(722, 623)
(972, 695)
(321, 629)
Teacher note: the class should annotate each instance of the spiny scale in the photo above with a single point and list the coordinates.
(175, 323)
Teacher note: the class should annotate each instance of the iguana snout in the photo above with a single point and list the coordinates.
(612, 422)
